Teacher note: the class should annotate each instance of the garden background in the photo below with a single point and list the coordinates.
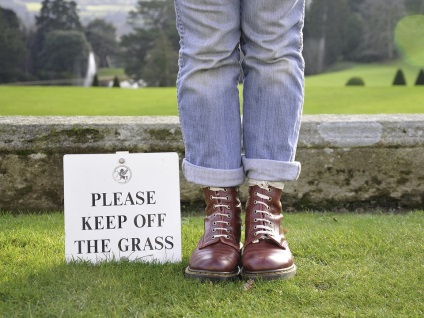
(362, 57)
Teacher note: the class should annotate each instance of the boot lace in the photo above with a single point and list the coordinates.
(264, 228)
(222, 215)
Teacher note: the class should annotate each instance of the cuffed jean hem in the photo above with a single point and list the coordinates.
(271, 170)
(212, 177)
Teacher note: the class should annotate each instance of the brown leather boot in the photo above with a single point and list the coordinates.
(217, 256)
(266, 253)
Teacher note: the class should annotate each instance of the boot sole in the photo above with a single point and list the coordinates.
(212, 276)
(285, 273)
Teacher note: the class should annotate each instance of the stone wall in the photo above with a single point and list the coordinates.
(348, 162)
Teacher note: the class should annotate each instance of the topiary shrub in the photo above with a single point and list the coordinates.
(399, 78)
(355, 81)
(116, 82)
(420, 78)
(95, 82)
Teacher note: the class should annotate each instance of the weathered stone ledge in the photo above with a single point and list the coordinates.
(348, 161)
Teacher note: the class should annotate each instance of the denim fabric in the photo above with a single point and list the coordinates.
(212, 34)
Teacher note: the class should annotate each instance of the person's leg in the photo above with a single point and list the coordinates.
(273, 100)
(209, 110)
(207, 85)
(273, 87)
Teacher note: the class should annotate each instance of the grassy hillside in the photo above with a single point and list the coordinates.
(325, 94)
(374, 75)
(364, 100)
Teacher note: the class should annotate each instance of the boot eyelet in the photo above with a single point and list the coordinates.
(268, 208)
(213, 230)
(255, 202)
(227, 237)
(211, 197)
(214, 215)
(256, 211)
(229, 216)
(228, 230)
(269, 199)
(228, 223)
(213, 223)
(214, 206)
(228, 198)
(225, 189)
(255, 220)
(256, 233)
(213, 237)
(256, 193)
(255, 227)
(228, 207)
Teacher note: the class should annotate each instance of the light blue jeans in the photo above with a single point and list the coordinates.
(212, 33)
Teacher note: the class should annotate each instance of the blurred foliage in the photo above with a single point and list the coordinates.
(56, 16)
(349, 31)
(399, 79)
(355, 81)
(103, 41)
(13, 50)
(420, 78)
(64, 54)
(151, 51)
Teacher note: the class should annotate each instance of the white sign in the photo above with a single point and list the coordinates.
(122, 206)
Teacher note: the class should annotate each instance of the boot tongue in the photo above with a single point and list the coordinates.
(216, 189)
(263, 237)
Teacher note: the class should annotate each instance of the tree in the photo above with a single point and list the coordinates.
(409, 36)
(156, 15)
(152, 21)
(55, 15)
(420, 78)
(414, 6)
(332, 31)
(355, 30)
(64, 54)
(134, 51)
(95, 82)
(116, 82)
(102, 37)
(399, 79)
(161, 68)
(380, 18)
(13, 50)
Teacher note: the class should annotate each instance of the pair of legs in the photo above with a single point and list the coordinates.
(212, 35)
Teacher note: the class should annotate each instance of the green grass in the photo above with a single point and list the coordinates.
(349, 265)
(111, 72)
(364, 100)
(71, 101)
(325, 94)
(374, 75)
(88, 101)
